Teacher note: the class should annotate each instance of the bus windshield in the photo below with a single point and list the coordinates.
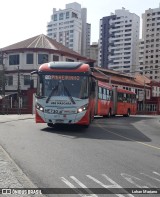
(64, 85)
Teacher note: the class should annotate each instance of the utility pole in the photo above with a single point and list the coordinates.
(2, 57)
(18, 90)
(144, 97)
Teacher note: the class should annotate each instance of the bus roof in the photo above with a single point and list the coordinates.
(124, 91)
(104, 85)
(65, 67)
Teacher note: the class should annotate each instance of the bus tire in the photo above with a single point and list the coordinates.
(50, 124)
(128, 113)
(109, 113)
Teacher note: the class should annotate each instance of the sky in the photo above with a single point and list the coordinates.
(23, 19)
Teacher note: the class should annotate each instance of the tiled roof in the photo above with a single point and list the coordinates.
(142, 79)
(117, 78)
(40, 41)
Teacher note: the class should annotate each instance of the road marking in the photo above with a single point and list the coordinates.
(156, 173)
(76, 189)
(133, 180)
(115, 185)
(83, 186)
(150, 177)
(155, 147)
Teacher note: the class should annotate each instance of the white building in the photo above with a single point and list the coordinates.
(140, 55)
(119, 35)
(151, 37)
(69, 27)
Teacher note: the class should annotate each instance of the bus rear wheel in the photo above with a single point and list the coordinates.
(109, 113)
(128, 113)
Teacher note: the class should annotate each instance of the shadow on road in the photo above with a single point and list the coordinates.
(115, 128)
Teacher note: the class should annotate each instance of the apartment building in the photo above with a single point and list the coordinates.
(119, 35)
(69, 27)
(151, 37)
(140, 56)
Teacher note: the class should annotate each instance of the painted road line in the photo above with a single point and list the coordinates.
(136, 181)
(74, 188)
(83, 186)
(114, 184)
(150, 177)
(156, 173)
(155, 147)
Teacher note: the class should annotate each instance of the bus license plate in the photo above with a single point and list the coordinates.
(59, 121)
(53, 111)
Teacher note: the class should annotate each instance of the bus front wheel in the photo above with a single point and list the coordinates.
(50, 124)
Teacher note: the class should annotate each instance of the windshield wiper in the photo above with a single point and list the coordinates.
(53, 89)
(66, 90)
(69, 95)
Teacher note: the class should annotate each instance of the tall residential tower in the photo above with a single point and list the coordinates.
(119, 35)
(70, 28)
(151, 37)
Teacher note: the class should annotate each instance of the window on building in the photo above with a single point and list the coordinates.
(9, 80)
(42, 58)
(29, 58)
(67, 15)
(55, 58)
(69, 60)
(14, 60)
(61, 16)
(27, 79)
(74, 15)
(55, 17)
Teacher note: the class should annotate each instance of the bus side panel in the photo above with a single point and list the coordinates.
(104, 107)
(89, 115)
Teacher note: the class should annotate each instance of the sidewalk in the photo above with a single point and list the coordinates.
(11, 176)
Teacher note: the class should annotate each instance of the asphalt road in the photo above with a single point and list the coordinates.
(112, 153)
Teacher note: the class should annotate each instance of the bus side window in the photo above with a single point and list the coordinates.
(104, 94)
(120, 97)
(128, 97)
(124, 97)
(108, 95)
(99, 92)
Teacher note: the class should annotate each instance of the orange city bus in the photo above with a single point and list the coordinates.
(65, 93)
(114, 101)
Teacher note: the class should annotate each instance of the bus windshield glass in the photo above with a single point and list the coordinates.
(64, 85)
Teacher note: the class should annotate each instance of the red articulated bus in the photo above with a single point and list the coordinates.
(114, 101)
(65, 93)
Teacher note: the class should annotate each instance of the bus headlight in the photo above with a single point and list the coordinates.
(39, 107)
(83, 108)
